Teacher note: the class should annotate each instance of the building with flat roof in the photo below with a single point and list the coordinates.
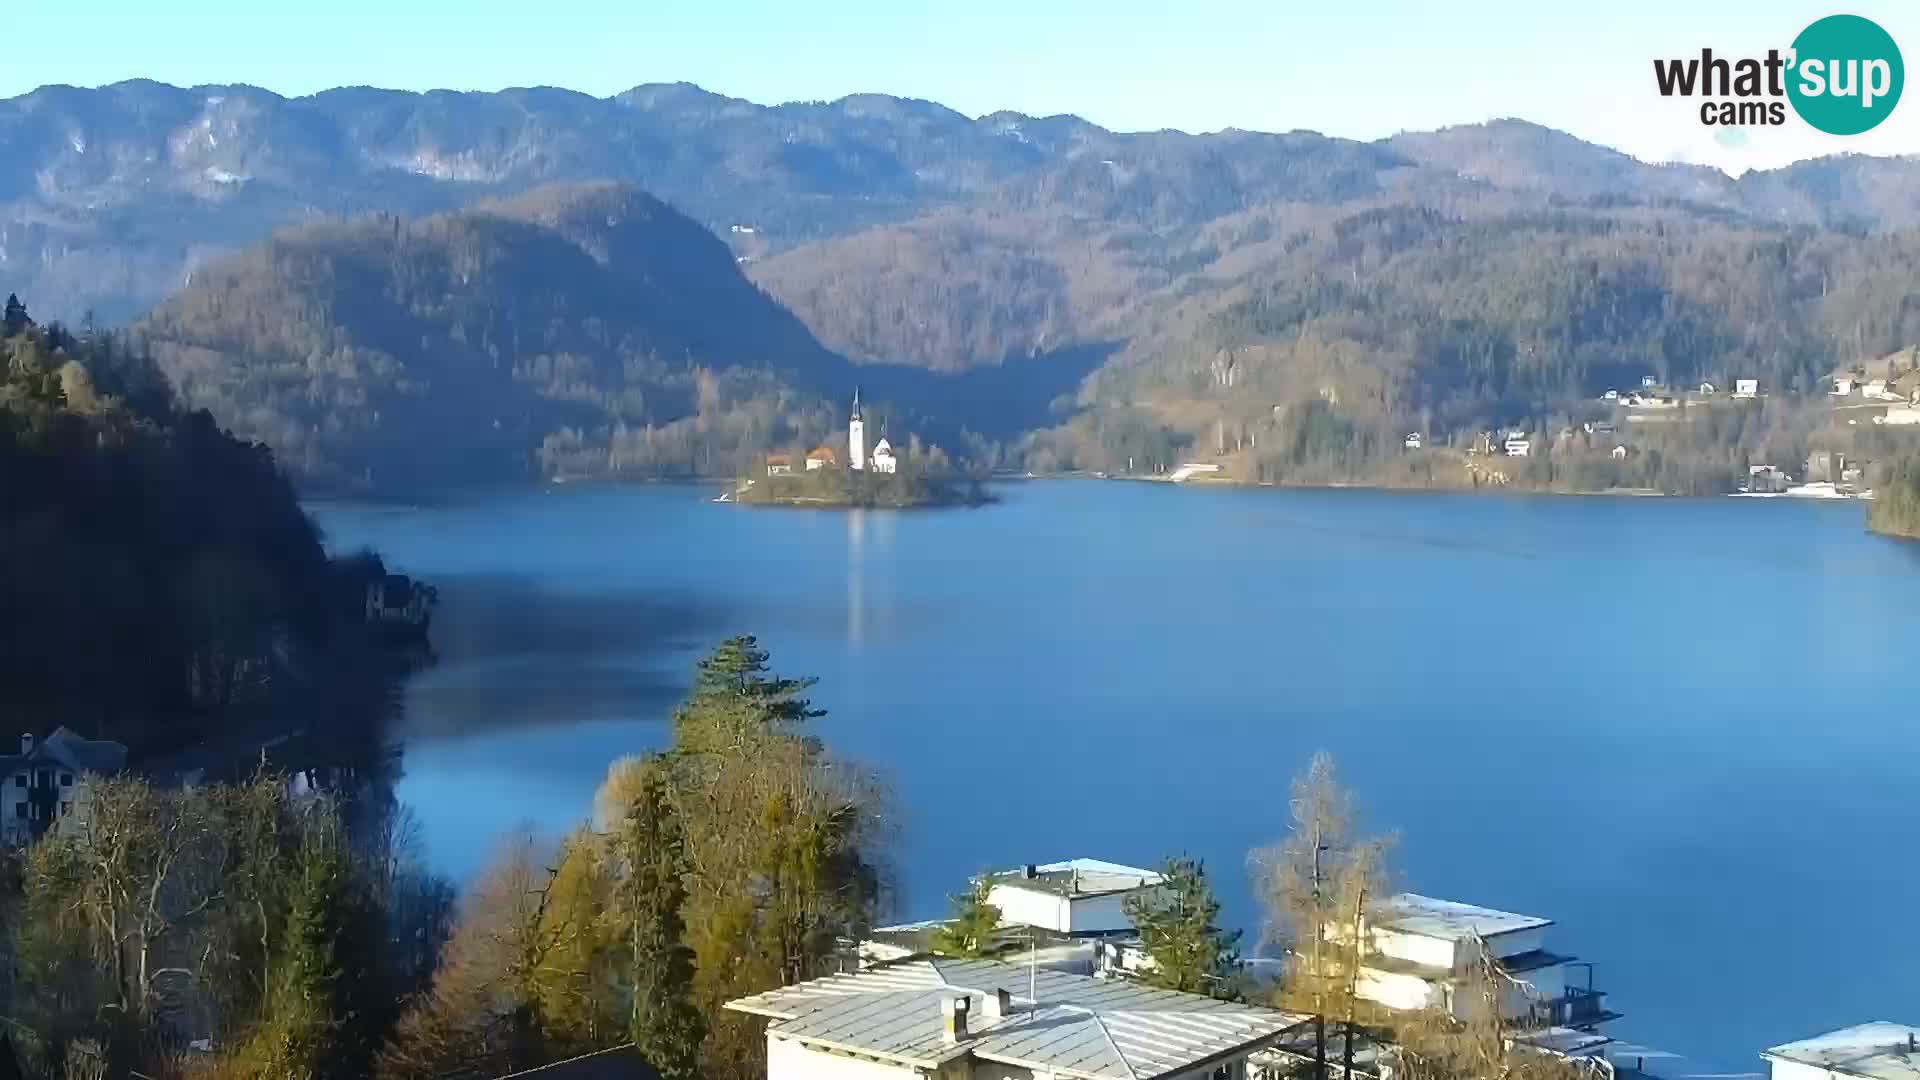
(1419, 951)
(942, 1019)
(1079, 897)
(1881, 1050)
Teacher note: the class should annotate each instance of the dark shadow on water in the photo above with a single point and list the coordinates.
(515, 653)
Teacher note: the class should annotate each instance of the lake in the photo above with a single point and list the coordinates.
(1684, 729)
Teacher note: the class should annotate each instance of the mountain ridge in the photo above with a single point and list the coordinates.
(111, 196)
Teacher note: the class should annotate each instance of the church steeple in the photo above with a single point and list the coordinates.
(857, 435)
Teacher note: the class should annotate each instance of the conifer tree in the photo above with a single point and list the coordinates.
(970, 933)
(650, 847)
(1179, 927)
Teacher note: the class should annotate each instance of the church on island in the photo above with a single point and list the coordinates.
(882, 460)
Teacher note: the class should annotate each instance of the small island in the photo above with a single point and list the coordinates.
(883, 478)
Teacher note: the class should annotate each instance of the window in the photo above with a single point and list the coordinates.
(20, 810)
(66, 779)
(20, 781)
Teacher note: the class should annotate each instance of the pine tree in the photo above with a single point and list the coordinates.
(650, 846)
(15, 319)
(970, 933)
(1179, 927)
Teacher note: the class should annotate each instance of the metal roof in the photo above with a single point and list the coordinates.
(1095, 1029)
(1411, 913)
(1881, 1050)
(1077, 878)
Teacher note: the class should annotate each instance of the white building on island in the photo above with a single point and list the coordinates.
(1881, 1050)
(883, 459)
(856, 436)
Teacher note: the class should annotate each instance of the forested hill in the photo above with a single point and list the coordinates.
(389, 353)
(159, 580)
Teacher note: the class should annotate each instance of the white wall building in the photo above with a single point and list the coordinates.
(1881, 1050)
(1079, 897)
(1746, 388)
(1420, 951)
(883, 459)
(46, 786)
(1519, 446)
(942, 1019)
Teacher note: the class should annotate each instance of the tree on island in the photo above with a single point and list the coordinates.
(1179, 926)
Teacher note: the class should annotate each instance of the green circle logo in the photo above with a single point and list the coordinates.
(1846, 75)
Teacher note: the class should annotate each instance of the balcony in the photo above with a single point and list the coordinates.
(1581, 1010)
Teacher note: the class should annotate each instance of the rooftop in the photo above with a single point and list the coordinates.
(1078, 877)
(1087, 1028)
(1882, 1050)
(65, 748)
(1411, 913)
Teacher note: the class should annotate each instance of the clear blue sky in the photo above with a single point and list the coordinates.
(1355, 68)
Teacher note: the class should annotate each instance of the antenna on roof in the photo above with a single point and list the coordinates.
(1033, 969)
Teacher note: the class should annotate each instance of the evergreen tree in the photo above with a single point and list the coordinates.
(734, 699)
(650, 845)
(15, 320)
(970, 933)
(1179, 927)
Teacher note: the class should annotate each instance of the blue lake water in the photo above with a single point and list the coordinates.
(1683, 729)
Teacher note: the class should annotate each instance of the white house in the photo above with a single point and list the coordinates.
(1881, 1050)
(1648, 382)
(1842, 386)
(1611, 395)
(1418, 952)
(1619, 453)
(944, 1019)
(1519, 446)
(46, 785)
(1706, 388)
(883, 459)
(779, 465)
(819, 458)
(1079, 897)
(1746, 388)
(1413, 440)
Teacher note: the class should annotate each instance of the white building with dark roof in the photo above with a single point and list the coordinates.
(1881, 1050)
(941, 1019)
(46, 785)
(1421, 951)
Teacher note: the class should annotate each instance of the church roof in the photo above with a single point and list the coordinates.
(882, 447)
(820, 453)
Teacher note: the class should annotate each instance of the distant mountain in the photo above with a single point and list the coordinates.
(594, 319)
(111, 197)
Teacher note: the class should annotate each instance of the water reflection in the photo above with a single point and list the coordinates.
(856, 576)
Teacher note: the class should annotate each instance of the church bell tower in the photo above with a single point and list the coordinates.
(856, 436)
